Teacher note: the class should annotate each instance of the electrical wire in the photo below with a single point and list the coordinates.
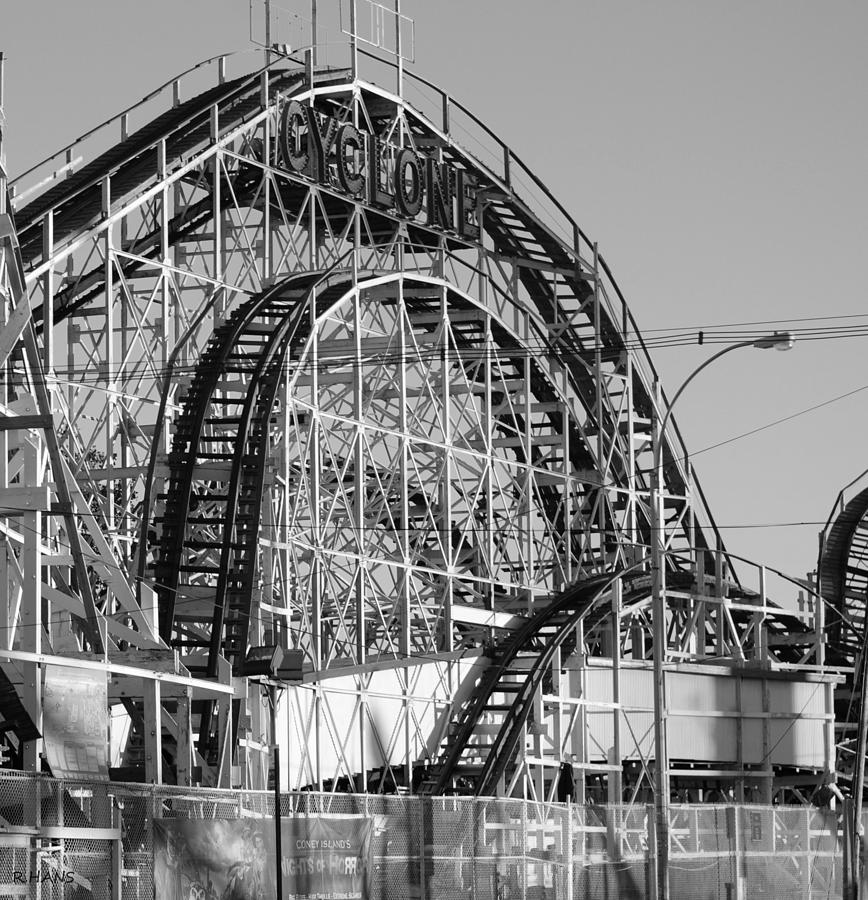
(789, 418)
(499, 353)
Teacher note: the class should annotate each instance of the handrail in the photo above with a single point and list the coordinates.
(232, 89)
(840, 502)
(118, 116)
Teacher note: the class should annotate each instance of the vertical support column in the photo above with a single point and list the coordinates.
(559, 739)
(447, 642)
(630, 522)
(109, 360)
(224, 726)
(739, 738)
(359, 471)
(217, 217)
(760, 636)
(267, 271)
(524, 850)
(720, 620)
(819, 624)
(7, 621)
(581, 788)
(569, 483)
(184, 742)
(658, 615)
(568, 850)
(598, 414)
(317, 719)
(488, 439)
(121, 457)
(527, 411)
(30, 630)
(317, 580)
(402, 324)
(535, 771)
(316, 589)
(153, 710)
(360, 488)
(165, 291)
(615, 776)
(767, 786)
(829, 729)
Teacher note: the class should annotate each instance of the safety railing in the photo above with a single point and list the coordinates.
(204, 75)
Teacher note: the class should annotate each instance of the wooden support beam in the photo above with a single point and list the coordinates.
(153, 733)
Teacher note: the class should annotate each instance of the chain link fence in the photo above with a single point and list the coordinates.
(63, 840)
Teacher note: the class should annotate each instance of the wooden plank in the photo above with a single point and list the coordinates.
(25, 499)
(154, 659)
(10, 423)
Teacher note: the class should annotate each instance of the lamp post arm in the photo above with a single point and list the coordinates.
(658, 617)
(665, 420)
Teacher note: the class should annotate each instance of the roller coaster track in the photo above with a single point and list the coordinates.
(505, 692)
(221, 438)
(843, 575)
(843, 584)
(224, 427)
(480, 748)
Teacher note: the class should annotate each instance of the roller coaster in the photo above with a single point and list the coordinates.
(321, 378)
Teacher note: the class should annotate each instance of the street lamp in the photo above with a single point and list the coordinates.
(780, 341)
(275, 667)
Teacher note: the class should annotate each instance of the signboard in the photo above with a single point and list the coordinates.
(234, 859)
(75, 722)
(359, 164)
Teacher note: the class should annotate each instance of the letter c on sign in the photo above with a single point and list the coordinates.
(409, 186)
(294, 150)
(348, 138)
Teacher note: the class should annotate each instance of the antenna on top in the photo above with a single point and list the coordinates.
(2, 135)
(379, 26)
(279, 29)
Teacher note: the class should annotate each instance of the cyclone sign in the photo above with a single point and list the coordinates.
(383, 174)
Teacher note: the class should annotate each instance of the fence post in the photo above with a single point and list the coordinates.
(651, 825)
(569, 849)
(859, 841)
(424, 830)
(524, 849)
(733, 823)
(117, 868)
(847, 812)
(474, 847)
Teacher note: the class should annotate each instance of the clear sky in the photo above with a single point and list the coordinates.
(715, 150)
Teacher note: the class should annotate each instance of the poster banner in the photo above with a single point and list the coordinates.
(75, 722)
(234, 859)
